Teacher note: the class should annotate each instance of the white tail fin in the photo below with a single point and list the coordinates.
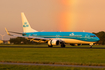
(26, 25)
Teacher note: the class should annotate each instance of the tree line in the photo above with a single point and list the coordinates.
(20, 40)
(101, 36)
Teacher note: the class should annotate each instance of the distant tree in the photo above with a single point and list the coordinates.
(101, 36)
(20, 40)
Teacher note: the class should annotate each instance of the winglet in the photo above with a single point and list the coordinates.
(7, 31)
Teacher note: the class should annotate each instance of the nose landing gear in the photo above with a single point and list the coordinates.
(91, 45)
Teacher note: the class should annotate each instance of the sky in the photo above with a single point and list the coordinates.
(53, 15)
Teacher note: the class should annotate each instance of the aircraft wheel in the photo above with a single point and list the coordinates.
(90, 46)
(62, 45)
(79, 44)
(50, 46)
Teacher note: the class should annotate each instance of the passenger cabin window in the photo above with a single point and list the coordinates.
(92, 36)
(34, 34)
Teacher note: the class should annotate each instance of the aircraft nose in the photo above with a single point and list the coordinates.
(97, 39)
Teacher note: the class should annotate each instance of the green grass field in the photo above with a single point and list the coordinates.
(74, 56)
(54, 55)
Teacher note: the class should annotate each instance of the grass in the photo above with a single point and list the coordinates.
(68, 56)
(27, 67)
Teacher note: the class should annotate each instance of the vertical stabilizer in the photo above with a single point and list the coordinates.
(25, 24)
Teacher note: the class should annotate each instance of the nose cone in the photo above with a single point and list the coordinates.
(97, 39)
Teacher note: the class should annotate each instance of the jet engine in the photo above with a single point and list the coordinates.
(53, 42)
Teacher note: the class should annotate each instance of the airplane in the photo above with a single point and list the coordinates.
(55, 38)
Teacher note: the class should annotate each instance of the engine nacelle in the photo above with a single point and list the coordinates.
(53, 42)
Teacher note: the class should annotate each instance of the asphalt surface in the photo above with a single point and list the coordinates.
(51, 47)
(7, 63)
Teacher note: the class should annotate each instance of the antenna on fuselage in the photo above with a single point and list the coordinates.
(42, 30)
(83, 30)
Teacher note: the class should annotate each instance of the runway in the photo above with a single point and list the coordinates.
(51, 47)
(8, 63)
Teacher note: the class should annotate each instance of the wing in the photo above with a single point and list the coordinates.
(31, 38)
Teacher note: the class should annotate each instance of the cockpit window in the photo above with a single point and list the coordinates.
(92, 36)
(23, 34)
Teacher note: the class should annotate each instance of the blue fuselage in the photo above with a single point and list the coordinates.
(82, 36)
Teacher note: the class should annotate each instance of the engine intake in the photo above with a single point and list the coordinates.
(53, 42)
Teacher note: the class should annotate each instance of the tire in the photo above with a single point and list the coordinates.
(90, 46)
(79, 44)
(50, 46)
(62, 45)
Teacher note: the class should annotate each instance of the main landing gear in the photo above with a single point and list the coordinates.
(62, 44)
(50, 45)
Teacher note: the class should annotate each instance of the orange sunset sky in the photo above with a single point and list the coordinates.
(53, 15)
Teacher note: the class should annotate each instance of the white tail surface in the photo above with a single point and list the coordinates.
(26, 25)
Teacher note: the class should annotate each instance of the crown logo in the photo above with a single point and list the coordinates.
(25, 24)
